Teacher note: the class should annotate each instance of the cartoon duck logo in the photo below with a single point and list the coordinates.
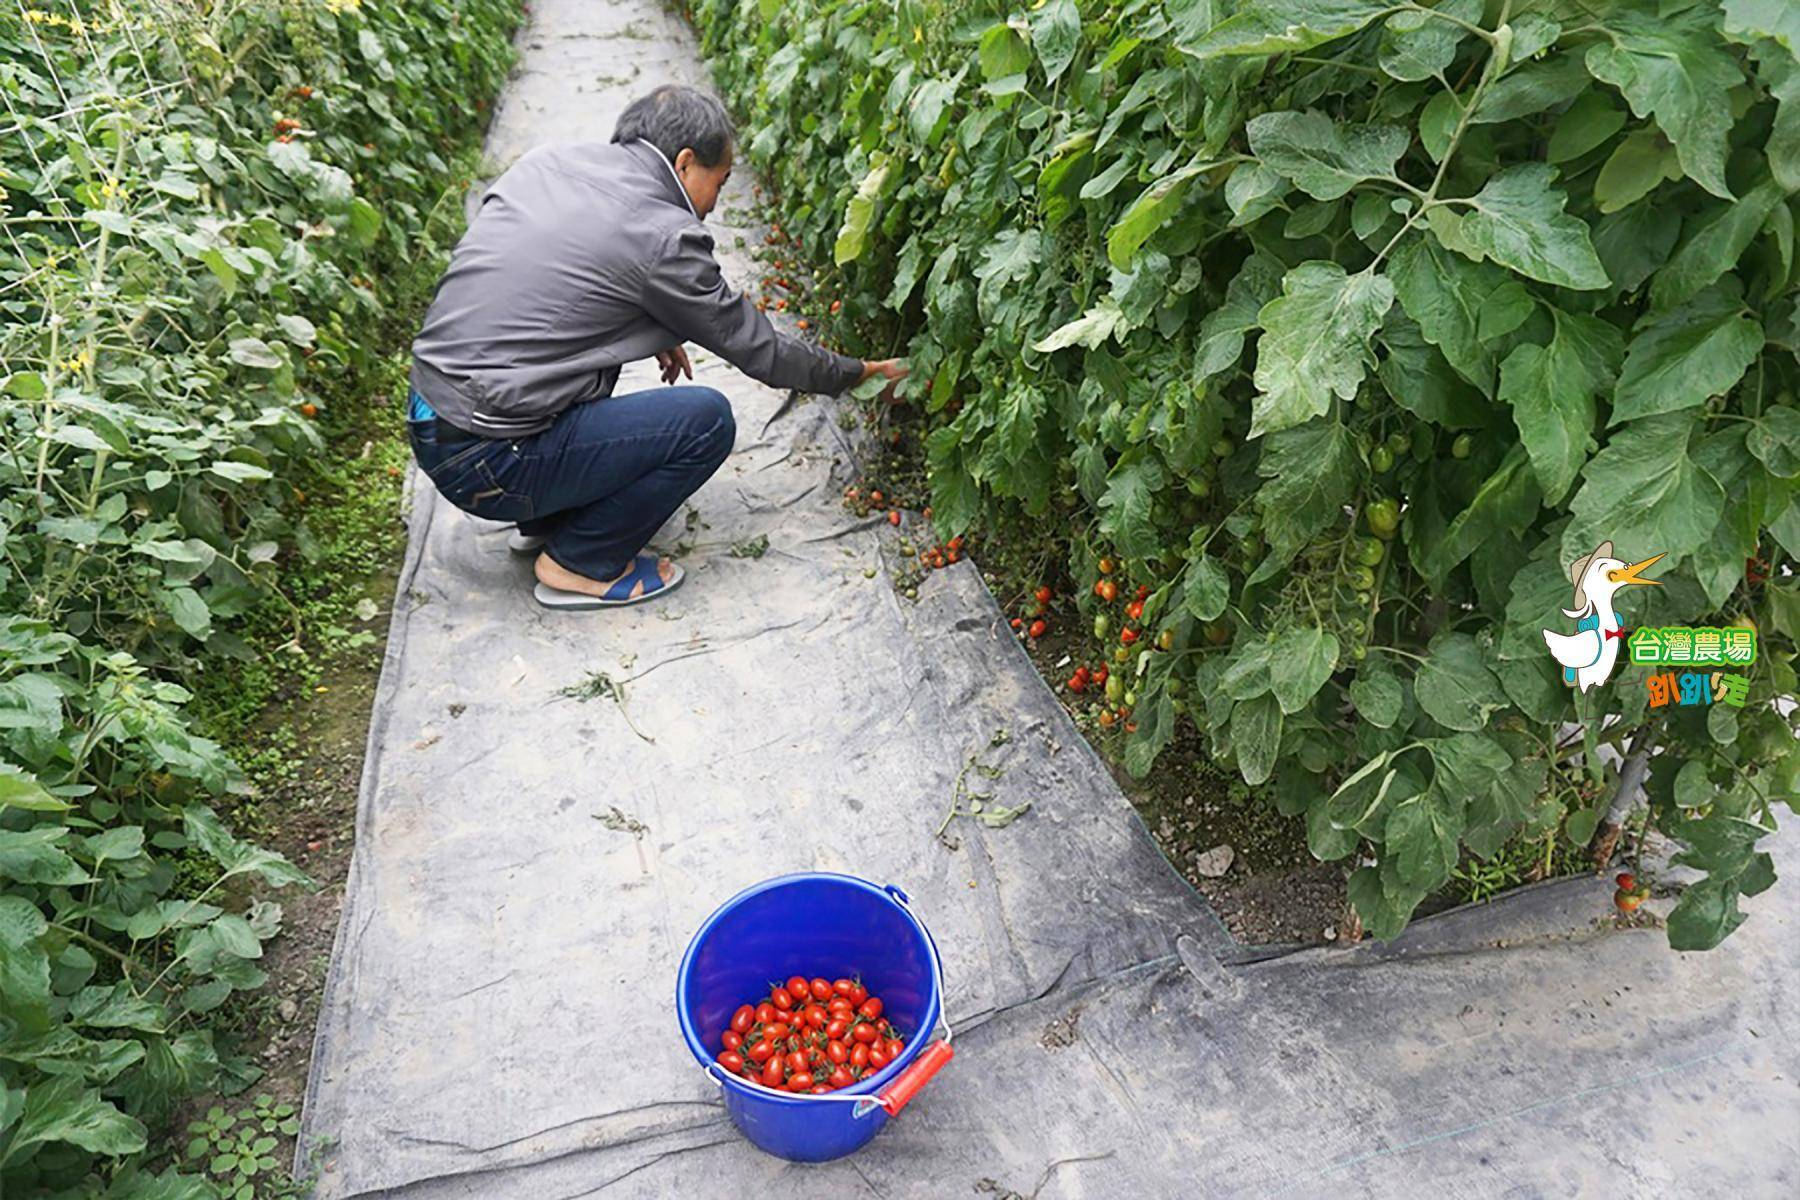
(1589, 654)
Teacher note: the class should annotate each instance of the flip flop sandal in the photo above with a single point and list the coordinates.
(524, 543)
(642, 582)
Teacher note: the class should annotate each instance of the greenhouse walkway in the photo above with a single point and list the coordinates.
(531, 861)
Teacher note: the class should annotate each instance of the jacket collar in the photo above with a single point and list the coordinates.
(672, 182)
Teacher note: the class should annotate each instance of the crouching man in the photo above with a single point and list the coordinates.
(583, 257)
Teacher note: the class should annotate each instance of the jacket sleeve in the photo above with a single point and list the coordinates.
(686, 293)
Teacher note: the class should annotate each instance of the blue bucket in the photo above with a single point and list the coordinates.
(815, 924)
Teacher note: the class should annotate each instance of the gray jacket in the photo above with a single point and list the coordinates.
(580, 258)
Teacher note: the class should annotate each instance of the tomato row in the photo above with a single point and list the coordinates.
(810, 1036)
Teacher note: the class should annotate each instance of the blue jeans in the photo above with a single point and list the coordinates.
(599, 482)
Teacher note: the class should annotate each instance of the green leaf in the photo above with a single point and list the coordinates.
(1302, 660)
(1714, 247)
(1644, 485)
(1206, 588)
(208, 833)
(1003, 52)
(1517, 219)
(1311, 472)
(1508, 498)
(1551, 391)
(1323, 158)
(1673, 68)
(1775, 19)
(189, 610)
(1454, 687)
(24, 968)
(1634, 169)
(1445, 294)
(1531, 89)
(1774, 440)
(62, 1110)
(1314, 343)
(23, 792)
(1275, 26)
(1705, 915)
(37, 856)
(1253, 190)
(1376, 694)
(1220, 341)
(1591, 120)
(363, 223)
(1094, 327)
(254, 352)
(1421, 834)
(1154, 205)
(1383, 917)
(1056, 33)
(1009, 259)
(240, 472)
(1256, 737)
(1415, 45)
(859, 213)
(1681, 358)
(1125, 506)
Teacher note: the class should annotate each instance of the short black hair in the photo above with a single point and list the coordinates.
(673, 117)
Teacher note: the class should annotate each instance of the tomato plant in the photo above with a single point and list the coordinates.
(199, 202)
(1347, 325)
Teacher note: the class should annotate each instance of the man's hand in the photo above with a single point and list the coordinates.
(894, 369)
(673, 362)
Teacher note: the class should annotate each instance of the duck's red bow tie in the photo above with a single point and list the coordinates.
(1616, 633)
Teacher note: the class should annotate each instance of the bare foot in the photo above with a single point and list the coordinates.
(551, 573)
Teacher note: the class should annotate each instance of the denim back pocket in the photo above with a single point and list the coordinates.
(470, 481)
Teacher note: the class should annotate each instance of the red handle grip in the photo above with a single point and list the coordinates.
(907, 1085)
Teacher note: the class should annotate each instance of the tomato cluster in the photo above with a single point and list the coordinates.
(1035, 623)
(812, 1036)
(936, 558)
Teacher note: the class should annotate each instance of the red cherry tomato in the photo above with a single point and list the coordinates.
(843, 987)
(773, 1072)
(800, 1083)
(766, 1012)
(797, 988)
(836, 1051)
(841, 1077)
(762, 1051)
(782, 998)
(821, 989)
(859, 1055)
(878, 1057)
(732, 1039)
(1042, 595)
(776, 1030)
(819, 1089)
(894, 1047)
(838, 1028)
(731, 1060)
(858, 993)
(742, 1019)
(798, 1063)
(871, 1008)
(864, 1034)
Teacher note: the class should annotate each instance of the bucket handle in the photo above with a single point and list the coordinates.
(904, 1086)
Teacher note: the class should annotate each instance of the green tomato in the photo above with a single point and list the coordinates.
(1121, 656)
(1370, 551)
(1363, 578)
(1222, 448)
(1130, 696)
(1199, 486)
(1461, 446)
(1397, 442)
(1362, 597)
(1102, 626)
(1173, 686)
(1381, 460)
(1253, 546)
(1383, 517)
(1359, 652)
(1115, 687)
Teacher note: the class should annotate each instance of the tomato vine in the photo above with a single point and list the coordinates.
(1482, 282)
